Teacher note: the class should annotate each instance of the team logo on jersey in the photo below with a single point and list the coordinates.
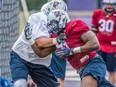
(114, 14)
(83, 59)
(113, 42)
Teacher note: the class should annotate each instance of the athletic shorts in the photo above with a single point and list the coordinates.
(110, 60)
(58, 66)
(96, 67)
(41, 75)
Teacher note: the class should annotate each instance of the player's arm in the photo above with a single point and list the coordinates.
(44, 42)
(48, 42)
(91, 43)
(42, 52)
(44, 46)
(94, 29)
(94, 22)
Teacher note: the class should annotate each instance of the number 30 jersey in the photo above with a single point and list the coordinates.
(106, 28)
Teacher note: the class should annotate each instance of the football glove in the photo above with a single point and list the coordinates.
(64, 52)
(61, 38)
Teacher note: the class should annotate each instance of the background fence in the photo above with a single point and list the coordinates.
(9, 25)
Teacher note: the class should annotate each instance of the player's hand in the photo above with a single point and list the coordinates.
(28, 31)
(64, 52)
(30, 83)
(61, 38)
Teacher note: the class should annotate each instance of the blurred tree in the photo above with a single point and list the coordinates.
(35, 4)
(99, 4)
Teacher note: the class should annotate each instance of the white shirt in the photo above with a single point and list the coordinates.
(23, 48)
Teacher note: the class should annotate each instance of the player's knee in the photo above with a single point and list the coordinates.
(89, 81)
(20, 83)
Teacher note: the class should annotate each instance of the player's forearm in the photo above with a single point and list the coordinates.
(91, 43)
(42, 52)
(44, 42)
(90, 46)
(46, 51)
(48, 42)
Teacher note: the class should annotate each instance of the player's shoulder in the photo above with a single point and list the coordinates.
(98, 11)
(77, 24)
(39, 16)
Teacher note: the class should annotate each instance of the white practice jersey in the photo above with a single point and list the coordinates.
(38, 21)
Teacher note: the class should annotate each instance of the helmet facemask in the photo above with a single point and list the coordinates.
(57, 21)
(109, 5)
(53, 27)
(109, 10)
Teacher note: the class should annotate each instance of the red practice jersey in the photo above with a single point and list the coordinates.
(73, 30)
(106, 28)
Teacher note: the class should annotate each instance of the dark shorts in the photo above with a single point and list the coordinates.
(96, 67)
(58, 66)
(41, 74)
(110, 60)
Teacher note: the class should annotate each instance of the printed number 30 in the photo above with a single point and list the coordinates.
(106, 25)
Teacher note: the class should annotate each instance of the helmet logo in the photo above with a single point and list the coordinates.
(55, 4)
(58, 14)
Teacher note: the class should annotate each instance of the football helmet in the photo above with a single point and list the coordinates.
(109, 9)
(44, 8)
(52, 0)
(57, 20)
(52, 5)
(56, 4)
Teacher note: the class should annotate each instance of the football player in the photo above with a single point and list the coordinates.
(78, 48)
(104, 26)
(55, 63)
(25, 62)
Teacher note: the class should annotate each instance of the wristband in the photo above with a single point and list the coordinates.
(77, 50)
(31, 41)
(54, 41)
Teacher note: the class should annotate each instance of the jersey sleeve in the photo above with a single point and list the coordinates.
(95, 15)
(81, 27)
(39, 25)
(76, 27)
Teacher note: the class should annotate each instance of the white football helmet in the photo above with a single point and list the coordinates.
(57, 20)
(52, 5)
(113, 2)
(109, 1)
(44, 8)
(51, 0)
(56, 4)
